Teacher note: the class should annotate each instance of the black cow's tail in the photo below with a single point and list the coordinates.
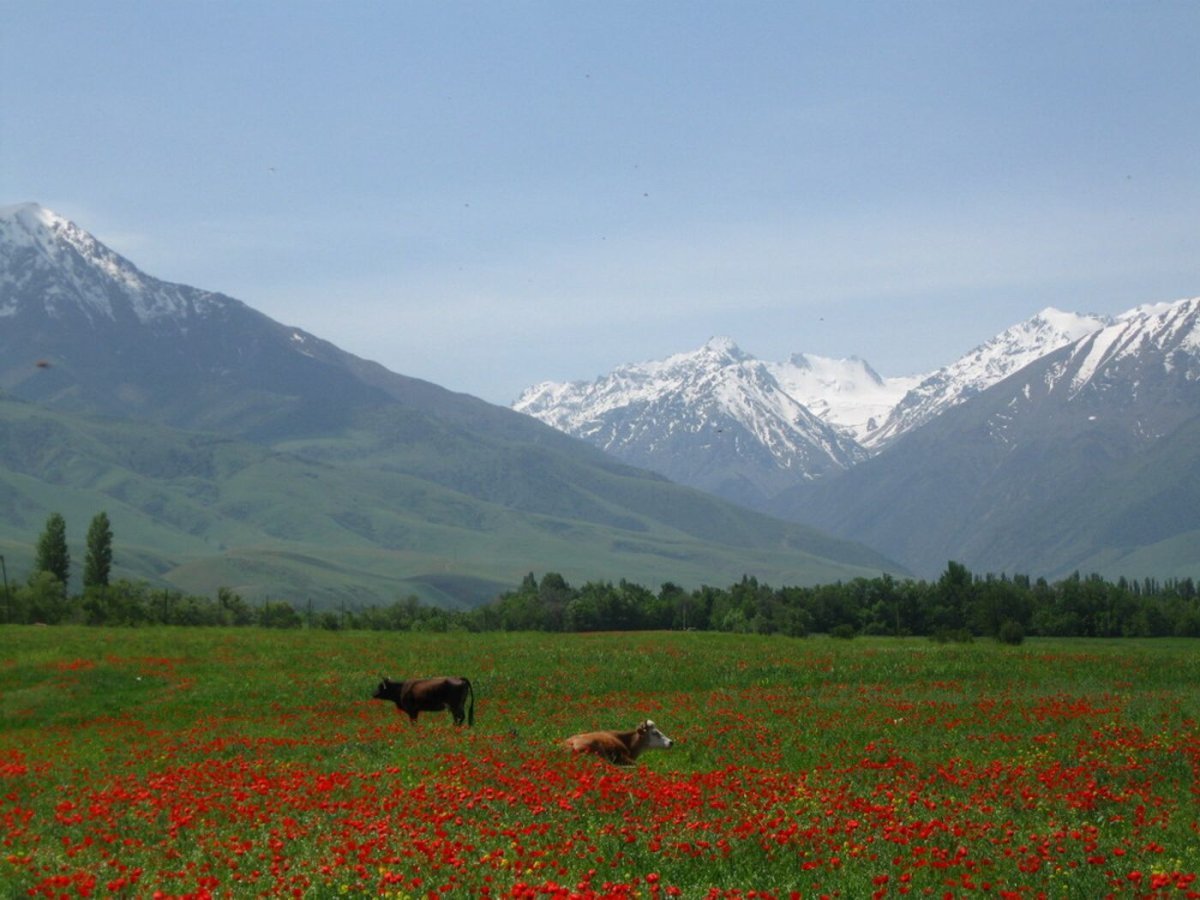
(471, 708)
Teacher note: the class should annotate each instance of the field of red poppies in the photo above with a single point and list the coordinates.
(211, 763)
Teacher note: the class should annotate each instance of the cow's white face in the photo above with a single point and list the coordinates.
(655, 739)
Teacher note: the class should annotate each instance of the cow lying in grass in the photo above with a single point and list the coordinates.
(419, 695)
(620, 747)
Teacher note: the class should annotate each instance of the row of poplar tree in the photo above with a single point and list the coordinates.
(47, 587)
(53, 556)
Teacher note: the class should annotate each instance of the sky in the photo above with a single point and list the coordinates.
(491, 195)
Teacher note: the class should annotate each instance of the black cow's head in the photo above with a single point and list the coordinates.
(387, 690)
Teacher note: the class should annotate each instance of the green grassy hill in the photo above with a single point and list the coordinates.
(366, 517)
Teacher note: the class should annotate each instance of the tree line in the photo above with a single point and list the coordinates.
(959, 605)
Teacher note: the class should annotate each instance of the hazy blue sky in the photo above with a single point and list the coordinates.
(488, 195)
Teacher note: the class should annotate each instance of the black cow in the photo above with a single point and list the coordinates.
(418, 695)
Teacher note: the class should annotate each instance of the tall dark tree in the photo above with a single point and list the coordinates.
(52, 553)
(98, 562)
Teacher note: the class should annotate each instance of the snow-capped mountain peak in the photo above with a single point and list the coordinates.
(723, 348)
(89, 278)
(988, 364)
(29, 216)
(847, 393)
(722, 413)
(568, 405)
(1167, 333)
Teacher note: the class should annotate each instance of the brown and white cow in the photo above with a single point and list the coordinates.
(417, 695)
(620, 747)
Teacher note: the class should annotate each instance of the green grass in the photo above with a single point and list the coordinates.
(255, 763)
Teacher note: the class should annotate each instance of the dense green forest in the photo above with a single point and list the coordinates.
(958, 606)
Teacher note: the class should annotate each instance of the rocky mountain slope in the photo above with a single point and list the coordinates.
(988, 364)
(1087, 458)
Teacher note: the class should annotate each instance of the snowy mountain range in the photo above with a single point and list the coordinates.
(988, 364)
(230, 449)
(1087, 459)
(1065, 441)
(721, 420)
(716, 419)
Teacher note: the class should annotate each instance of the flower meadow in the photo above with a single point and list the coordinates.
(197, 763)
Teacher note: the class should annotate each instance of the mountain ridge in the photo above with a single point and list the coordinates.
(985, 365)
(946, 474)
(715, 418)
(422, 482)
(1058, 467)
(825, 416)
